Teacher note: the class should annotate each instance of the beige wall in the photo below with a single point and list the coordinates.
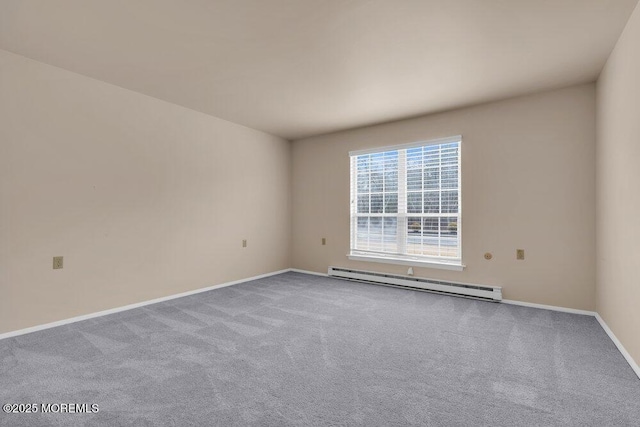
(528, 173)
(618, 189)
(142, 198)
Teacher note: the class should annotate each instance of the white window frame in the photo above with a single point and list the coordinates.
(448, 263)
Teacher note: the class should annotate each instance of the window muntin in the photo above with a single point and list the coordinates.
(405, 202)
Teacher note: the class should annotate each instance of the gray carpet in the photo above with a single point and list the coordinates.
(296, 349)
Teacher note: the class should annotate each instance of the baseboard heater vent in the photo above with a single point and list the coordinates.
(487, 293)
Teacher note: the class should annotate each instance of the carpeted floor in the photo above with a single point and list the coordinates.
(296, 349)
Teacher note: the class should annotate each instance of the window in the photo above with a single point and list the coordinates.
(405, 204)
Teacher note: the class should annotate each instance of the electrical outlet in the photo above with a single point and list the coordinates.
(57, 262)
(244, 243)
(488, 256)
(519, 253)
(324, 241)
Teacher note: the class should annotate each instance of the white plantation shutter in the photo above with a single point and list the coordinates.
(405, 201)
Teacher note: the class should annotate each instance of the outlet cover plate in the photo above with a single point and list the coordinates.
(58, 262)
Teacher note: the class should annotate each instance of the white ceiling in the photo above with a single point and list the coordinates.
(295, 68)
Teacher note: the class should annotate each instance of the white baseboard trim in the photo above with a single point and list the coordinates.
(618, 344)
(297, 270)
(550, 307)
(600, 320)
(132, 306)
(36, 328)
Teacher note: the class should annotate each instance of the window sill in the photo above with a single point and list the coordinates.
(442, 265)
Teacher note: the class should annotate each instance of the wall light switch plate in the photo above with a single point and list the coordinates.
(520, 254)
(244, 243)
(324, 241)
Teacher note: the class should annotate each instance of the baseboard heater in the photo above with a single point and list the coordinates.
(487, 293)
